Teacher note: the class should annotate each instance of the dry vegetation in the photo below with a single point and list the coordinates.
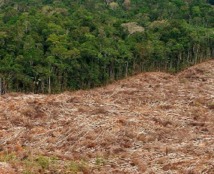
(150, 123)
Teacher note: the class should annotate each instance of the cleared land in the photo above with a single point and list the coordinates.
(149, 123)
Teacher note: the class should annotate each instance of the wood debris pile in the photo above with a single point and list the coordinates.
(150, 123)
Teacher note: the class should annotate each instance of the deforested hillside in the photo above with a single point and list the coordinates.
(150, 123)
(51, 46)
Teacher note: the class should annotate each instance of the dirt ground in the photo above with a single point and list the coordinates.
(150, 123)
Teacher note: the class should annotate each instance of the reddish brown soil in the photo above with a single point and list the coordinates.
(149, 123)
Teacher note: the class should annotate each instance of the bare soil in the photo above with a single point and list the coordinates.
(150, 123)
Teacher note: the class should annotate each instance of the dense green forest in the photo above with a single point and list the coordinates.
(49, 46)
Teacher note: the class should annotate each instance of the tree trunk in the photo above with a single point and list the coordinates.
(0, 86)
(43, 86)
(49, 85)
(127, 66)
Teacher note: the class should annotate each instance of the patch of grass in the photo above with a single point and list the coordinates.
(75, 167)
(34, 164)
(43, 161)
(100, 161)
(7, 157)
(39, 164)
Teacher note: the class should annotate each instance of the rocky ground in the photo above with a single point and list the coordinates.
(150, 123)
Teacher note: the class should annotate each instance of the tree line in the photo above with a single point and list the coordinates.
(49, 46)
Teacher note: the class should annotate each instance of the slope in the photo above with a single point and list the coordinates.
(151, 123)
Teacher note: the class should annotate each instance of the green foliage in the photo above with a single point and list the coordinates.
(49, 46)
(76, 167)
(100, 161)
(43, 161)
(7, 157)
(33, 164)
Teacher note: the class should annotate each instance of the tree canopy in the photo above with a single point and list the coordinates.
(48, 46)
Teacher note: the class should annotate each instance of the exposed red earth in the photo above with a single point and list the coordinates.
(150, 123)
